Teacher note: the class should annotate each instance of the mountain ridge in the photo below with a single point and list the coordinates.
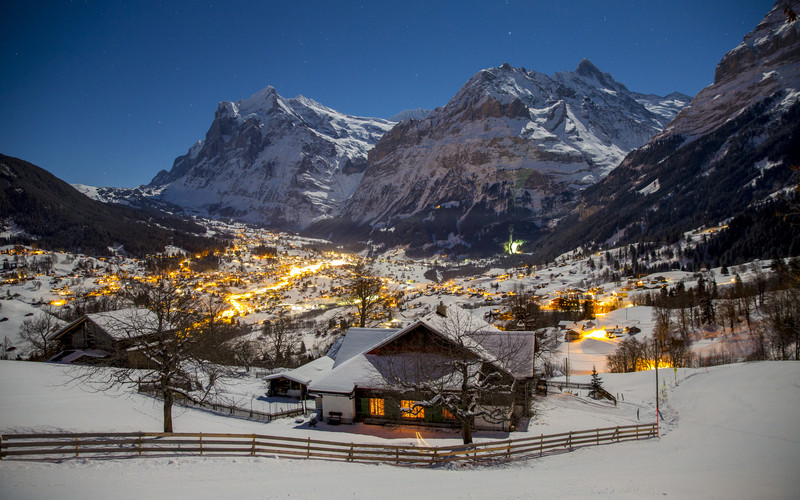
(271, 160)
(511, 141)
(734, 149)
(49, 212)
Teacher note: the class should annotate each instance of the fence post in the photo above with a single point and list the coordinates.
(435, 454)
(140, 444)
(508, 450)
(616, 433)
(597, 435)
(308, 448)
(350, 454)
(1, 446)
(397, 456)
(569, 441)
(201, 443)
(76, 446)
(253, 449)
(541, 444)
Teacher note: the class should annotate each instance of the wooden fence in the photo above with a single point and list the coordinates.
(568, 385)
(144, 444)
(584, 386)
(283, 410)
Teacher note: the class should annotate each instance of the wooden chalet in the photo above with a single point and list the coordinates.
(106, 338)
(378, 375)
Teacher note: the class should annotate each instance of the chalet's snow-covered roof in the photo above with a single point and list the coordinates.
(127, 323)
(307, 373)
(360, 340)
(121, 324)
(351, 367)
(344, 378)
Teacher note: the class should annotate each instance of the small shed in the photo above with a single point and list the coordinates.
(294, 383)
(632, 330)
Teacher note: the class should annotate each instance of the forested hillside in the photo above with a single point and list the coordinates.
(38, 208)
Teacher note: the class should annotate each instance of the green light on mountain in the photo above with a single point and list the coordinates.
(513, 246)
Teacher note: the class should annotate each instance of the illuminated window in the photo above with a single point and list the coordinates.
(376, 407)
(408, 410)
(447, 414)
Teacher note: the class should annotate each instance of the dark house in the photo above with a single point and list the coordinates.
(106, 338)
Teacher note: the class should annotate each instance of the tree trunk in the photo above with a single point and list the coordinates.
(466, 431)
(168, 399)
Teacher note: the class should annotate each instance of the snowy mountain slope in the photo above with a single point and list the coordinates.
(274, 161)
(733, 148)
(766, 62)
(140, 197)
(510, 141)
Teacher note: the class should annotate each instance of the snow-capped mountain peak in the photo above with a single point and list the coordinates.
(272, 160)
(511, 140)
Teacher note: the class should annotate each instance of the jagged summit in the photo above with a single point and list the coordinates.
(273, 161)
(765, 62)
(728, 155)
(588, 70)
(510, 141)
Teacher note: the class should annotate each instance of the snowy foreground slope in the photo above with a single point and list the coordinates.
(731, 432)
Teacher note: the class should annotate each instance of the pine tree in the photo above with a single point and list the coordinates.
(596, 385)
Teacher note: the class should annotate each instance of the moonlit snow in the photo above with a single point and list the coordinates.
(728, 432)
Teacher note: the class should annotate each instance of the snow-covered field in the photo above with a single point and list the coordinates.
(729, 432)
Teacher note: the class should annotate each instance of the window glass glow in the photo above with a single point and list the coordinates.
(376, 407)
(408, 410)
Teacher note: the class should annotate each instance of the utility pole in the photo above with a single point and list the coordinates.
(655, 362)
(567, 363)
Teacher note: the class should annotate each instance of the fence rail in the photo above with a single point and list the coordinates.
(145, 444)
(579, 385)
(568, 385)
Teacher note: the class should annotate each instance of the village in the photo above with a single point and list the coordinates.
(344, 397)
(263, 277)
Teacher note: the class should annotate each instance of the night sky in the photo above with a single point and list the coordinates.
(108, 93)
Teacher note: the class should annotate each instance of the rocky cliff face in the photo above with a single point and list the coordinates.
(512, 144)
(767, 61)
(734, 148)
(274, 161)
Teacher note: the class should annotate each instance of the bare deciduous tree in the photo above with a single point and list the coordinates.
(170, 342)
(38, 330)
(246, 352)
(523, 306)
(282, 341)
(364, 290)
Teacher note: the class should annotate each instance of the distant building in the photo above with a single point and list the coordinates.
(107, 337)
